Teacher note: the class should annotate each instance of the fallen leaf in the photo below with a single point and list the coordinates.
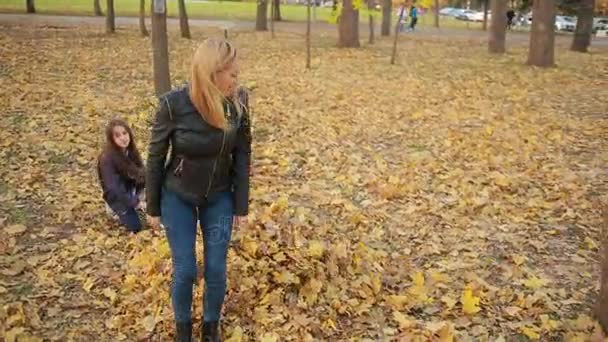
(403, 321)
(531, 333)
(470, 303)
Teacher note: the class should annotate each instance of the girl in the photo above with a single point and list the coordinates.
(121, 174)
(206, 178)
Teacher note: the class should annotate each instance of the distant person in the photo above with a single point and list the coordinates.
(121, 174)
(510, 16)
(402, 17)
(413, 16)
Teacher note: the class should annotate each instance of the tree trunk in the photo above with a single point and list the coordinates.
(97, 8)
(542, 37)
(272, 9)
(437, 13)
(29, 5)
(183, 20)
(348, 26)
(160, 49)
(485, 15)
(142, 18)
(601, 309)
(261, 20)
(397, 29)
(498, 29)
(277, 10)
(584, 26)
(308, 34)
(387, 9)
(371, 29)
(110, 24)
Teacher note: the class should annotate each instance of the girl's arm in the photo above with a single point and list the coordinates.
(116, 193)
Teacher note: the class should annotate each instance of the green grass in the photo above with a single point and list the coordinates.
(227, 10)
(230, 10)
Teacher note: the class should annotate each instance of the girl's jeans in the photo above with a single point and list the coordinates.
(180, 220)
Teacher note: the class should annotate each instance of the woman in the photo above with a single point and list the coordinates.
(206, 178)
(121, 174)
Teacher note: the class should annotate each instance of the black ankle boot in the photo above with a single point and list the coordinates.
(183, 332)
(210, 332)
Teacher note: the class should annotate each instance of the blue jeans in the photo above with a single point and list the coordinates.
(180, 219)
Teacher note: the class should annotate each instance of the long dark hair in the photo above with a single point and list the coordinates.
(130, 164)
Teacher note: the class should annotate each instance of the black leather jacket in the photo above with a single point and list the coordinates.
(204, 160)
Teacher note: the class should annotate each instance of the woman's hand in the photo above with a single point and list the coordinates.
(239, 221)
(153, 221)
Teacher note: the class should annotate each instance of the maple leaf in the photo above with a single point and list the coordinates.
(531, 333)
(403, 321)
(470, 303)
(534, 282)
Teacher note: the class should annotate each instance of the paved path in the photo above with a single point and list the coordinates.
(513, 38)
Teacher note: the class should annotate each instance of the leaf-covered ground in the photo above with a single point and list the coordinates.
(452, 196)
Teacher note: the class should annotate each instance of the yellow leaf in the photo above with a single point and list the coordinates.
(530, 332)
(397, 302)
(439, 277)
(16, 229)
(270, 337)
(149, 323)
(88, 285)
(316, 249)
(403, 321)
(518, 259)
(236, 336)
(11, 335)
(111, 294)
(250, 246)
(311, 290)
(418, 279)
(534, 283)
(489, 130)
(591, 244)
(446, 334)
(470, 303)
(286, 277)
(548, 324)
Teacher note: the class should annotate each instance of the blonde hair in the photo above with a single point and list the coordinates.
(212, 56)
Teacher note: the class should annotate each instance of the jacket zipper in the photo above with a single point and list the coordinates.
(215, 164)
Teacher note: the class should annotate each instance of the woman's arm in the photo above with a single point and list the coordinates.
(157, 153)
(242, 160)
(116, 192)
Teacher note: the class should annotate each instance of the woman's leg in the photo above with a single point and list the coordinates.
(216, 221)
(179, 219)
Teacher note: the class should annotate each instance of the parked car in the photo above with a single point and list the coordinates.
(456, 12)
(466, 15)
(447, 11)
(563, 23)
(478, 16)
(600, 24)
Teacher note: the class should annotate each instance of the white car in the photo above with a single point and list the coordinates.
(478, 16)
(563, 23)
(447, 11)
(600, 24)
(465, 15)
